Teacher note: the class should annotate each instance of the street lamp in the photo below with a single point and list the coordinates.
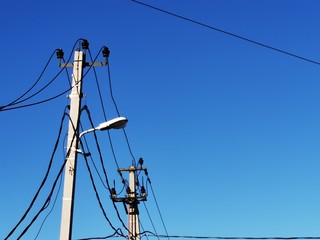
(116, 123)
(70, 173)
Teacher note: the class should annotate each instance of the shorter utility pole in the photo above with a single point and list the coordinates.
(131, 201)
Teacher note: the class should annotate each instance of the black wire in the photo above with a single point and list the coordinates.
(43, 181)
(36, 103)
(229, 238)
(35, 83)
(54, 203)
(155, 199)
(2, 109)
(106, 237)
(117, 109)
(94, 165)
(153, 226)
(228, 33)
(143, 230)
(103, 167)
(98, 197)
(47, 202)
(98, 86)
(103, 108)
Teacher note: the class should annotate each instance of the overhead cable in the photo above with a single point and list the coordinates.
(228, 33)
(115, 105)
(103, 167)
(42, 182)
(230, 238)
(34, 84)
(12, 105)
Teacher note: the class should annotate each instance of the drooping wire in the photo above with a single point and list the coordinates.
(155, 199)
(229, 238)
(43, 181)
(34, 84)
(93, 163)
(228, 33)
(36, 103)
(116, 107)
(98, 197)
(153, 226)
(103, 167)
(12, 107)
(47, 202)
(142, 229)
(106, 237)
(53, 205)
(104, 111)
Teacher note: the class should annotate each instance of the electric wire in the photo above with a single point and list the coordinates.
(103, 167)
(34, 84)
(42, 182)
(228, 33)
(153, 226)
(98, 197)
(12, 107)
(155, 199)
(143, 229)
(46, 203)
(116, 107)
(91, 158)
(106, 237)
(230, 238)
(53, 205)
(105, 115)
(103, 110)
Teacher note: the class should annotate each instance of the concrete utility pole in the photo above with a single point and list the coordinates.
(72, 146)
(78, 65)
(133, 212)
(132, 199)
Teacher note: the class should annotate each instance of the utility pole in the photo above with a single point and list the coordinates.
(78, 65)
(72, 146)
(132, 200)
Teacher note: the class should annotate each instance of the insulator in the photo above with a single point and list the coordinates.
(143, 190)
(105, 52)
(128, 190)
(60, 53)
(140, 161)
(113, 191)
(85, 44)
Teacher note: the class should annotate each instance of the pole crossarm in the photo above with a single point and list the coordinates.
(87, 64)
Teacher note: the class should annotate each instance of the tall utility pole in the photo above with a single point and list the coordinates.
(78, 65)
(132, 200)
(72, 146)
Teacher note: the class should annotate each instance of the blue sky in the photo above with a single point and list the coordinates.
(229, 130)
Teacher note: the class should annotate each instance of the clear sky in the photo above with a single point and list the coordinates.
(229, 130)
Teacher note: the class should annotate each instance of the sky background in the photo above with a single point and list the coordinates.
(229, 130)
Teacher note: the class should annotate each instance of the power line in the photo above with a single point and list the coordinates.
(228, 33)
(147, 233)
(98, 197)
(115, 105)
(53, 205)
(103, 167)
(11, 106)
(41, 185)
(33, 85)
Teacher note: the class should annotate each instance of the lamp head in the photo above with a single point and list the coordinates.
(116, 123)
